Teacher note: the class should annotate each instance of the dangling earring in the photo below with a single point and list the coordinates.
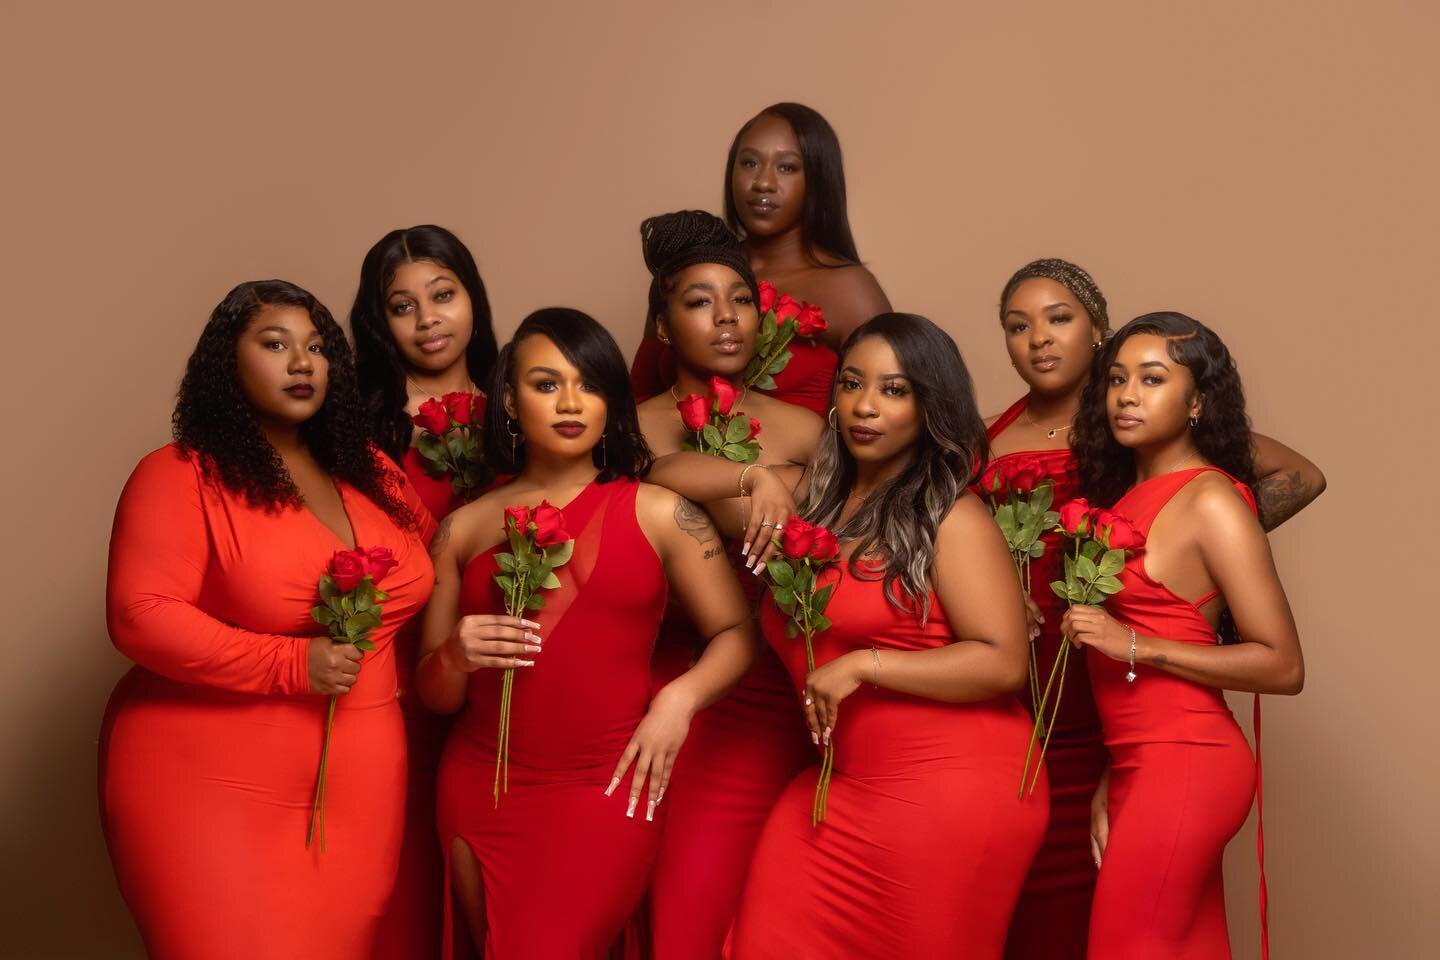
(830, 419)
(604, 454)
(514, 436)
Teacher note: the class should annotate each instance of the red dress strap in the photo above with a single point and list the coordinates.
(1005, 419)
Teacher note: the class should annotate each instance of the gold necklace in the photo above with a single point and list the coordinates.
(1052, 431)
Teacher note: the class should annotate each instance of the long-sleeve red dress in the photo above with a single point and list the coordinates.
(1182, 776)
(563, 868)
(211, 744)
(926, 840)
(1053, 913)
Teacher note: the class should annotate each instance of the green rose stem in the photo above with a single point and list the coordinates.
(514, 604)
(317, 808)
(827, 763)
(1062, 658)
(763, 369)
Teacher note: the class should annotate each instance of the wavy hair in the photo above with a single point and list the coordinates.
(1106, 469)
(825, 219)
(895, 529)
(623, 451)
(378, 363)
(215, 422)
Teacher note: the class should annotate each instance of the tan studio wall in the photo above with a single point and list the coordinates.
(1268, 168)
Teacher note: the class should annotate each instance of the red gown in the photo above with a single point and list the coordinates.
(926, 841)
(805, 381)
(740, 754)
(1182, 776)
(563, 867)
(1053, 914)
(211, 744)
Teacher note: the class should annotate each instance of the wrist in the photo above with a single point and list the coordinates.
(677, 695)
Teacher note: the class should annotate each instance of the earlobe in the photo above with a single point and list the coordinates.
(508, 400)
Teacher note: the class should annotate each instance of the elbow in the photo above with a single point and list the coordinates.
(1294, 681)
(1013, 675)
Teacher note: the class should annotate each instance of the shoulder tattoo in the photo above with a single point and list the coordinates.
(441, 540)
(694, 521)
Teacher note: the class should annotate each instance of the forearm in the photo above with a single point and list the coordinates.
(441, 686)
(726, 658)
(1288, 482)
(963, 672)
(1247, 667)
(700, 477)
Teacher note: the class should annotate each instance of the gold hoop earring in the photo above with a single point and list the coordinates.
(1195, 421)
(830, 419)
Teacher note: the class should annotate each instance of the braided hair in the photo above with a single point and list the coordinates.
(1080, 284)
(671, 242)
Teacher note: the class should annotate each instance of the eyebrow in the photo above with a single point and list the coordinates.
(884, 376)
(429, 283)
(550, 370)
(283, 331)
(1147, 363)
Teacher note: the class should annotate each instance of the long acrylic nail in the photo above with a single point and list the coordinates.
(760, 569)
(745, 549)
(826, 737)
(630, 810)
(614, 782)
(816, 737)
(530, 623)
(524, 663)
(532, 648)
(660, 796)
(650, 810)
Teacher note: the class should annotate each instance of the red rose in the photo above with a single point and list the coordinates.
(549, 525)
(378, 562)
(786, 307)
(767, 297)
(754, 429)
(694, 411)
(520, 516)
(1025, 477)
(1120, 534)
(347, 568)
(1075, 517)
(826, 546)
(992, 481)
(433, 416)
(798, 538)
(724, 393)
(810, 322)
(459, 406)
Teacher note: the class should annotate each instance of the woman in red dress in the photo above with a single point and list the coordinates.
(1162, 436)
(421, 322)
(785, 195)
(212, 742)
(555, 866)
(926, 840)
(743, 750)
(1054, 318)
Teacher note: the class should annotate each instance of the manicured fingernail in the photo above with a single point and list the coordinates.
(816, 737)
(650, 810)
(630, 810)
(760, 569)
(530, 623)
(614, 782)
(532, 648)
(749, 562)
(826, 737)
(746, 548)
(524, 663)
(660, 796)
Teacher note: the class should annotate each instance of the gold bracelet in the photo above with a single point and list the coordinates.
(876, 655)
(747, 469)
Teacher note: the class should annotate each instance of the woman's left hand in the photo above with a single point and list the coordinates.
(1093, 627)
(825, 687)
(652, 749)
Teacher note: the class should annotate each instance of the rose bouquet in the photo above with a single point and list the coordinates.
(350, 607)
(449, 441)
(717, 428)
(782, 319)
(807, 550)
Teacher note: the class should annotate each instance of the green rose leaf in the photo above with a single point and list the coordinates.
(1112, 562)
(559, 554)
(780, 571)
(713, 438)
(737, 430)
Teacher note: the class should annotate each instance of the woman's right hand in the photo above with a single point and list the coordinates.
(495, 642)
(771, 505)
(1033, 618)
(334, 667)
(1100, 819)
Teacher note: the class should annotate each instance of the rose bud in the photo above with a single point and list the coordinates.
(992, 482)
(797, 538)
(754, 429)
(724, 393)
(519, 516)
(810, 322)
(1025, 478)
(767, 297)
(459, 405)
(379, 561)
(549, 525)
(1075, 517)
(433, 417)
(786, 308)
(347, 569)
(826, 547)
(694, 411)
(1122, 535)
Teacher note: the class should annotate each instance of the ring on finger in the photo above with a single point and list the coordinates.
(766, 523)
(779, 526)
(809, 701)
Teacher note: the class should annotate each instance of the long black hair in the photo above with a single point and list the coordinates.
(623, 451)
(1222, 435)
(825, 220)
(897, 526)
(378, 363)
(216, 423)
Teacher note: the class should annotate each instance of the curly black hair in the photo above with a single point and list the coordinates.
(1105, 468)
(378, 363)
(215, 422)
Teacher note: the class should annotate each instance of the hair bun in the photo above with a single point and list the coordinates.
(665, 237)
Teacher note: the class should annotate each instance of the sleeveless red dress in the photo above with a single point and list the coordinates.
(211, 744)
(925, 842)
(1053, 914)
(563, 867)
(741, 753)
(1182, 776)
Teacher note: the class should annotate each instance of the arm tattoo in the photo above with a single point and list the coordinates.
(1281, 496)
(441, 540)
(694, 521)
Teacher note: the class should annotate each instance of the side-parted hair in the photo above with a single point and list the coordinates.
(825, 220)
(378, 362)
(896, 528)
(215, 422)
(589, 346)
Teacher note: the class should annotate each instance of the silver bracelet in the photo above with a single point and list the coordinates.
(1130, 677)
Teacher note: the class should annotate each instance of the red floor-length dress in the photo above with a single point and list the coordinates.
(211, 745)
(805, 381)
(410, 927)
(1182, 775)
(740, 754)
(926, 840)
(563, 867)
(1052, 916)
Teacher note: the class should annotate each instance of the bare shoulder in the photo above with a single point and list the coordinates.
(851, 282)
(779, 415)
(967, 519)
(478, 525)
(1212, 502)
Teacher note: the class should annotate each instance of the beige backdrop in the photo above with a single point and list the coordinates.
(1268, 168)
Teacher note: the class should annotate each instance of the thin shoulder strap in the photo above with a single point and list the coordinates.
(1005, 419)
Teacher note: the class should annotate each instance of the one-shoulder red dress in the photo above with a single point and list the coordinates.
(926, 840)
(1053, 914)
(1182, 775)
(563, 868)
(805, 381)
(211, 744)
